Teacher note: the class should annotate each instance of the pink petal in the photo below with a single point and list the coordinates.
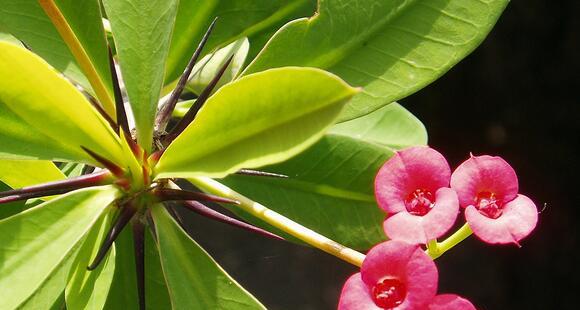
(355, 295)
(518, 219)
(414, 229)
(450, 302)
(413, 168)
(406, 262)
(484, 174)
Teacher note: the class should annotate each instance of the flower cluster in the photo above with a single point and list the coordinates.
(422, 198)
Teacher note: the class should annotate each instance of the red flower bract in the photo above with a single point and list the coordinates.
(487, 187)
(413, 186)
(394, 275)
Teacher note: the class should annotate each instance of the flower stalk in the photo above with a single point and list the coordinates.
(281, 222)
(436, 249)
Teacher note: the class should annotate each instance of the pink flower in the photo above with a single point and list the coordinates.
(397, 275)
(413, 187)
(488, 188)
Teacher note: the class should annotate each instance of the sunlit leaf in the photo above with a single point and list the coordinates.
(44, 117)
(257, 120)
(89, 289)
(36, 243)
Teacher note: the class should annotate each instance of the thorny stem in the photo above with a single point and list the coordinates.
(438, 248)
(167, 109)
(139, 247)
(281, 222)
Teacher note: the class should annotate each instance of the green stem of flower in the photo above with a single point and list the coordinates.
(281, 222)
(435, 249)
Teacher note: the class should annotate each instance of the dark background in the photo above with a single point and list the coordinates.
(516, 96)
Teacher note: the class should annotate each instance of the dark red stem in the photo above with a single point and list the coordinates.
(115, 170)
(139, 247)
(208, 212)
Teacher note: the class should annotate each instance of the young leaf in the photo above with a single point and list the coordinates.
(208, 66)
(35, 243)
(89, 289)
(21, 173)
(391, 126)
(80, 26)
(142, 32)
(391, 48)
(26, 20)
(257, 19)
(156, 294)
(194, 279)
(258, 120)
(329, 189)
(35, 97)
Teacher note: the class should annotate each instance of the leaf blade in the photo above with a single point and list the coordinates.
(391, 48)
(34, 243)
(247, 123)
(187, 287)
(142, 31)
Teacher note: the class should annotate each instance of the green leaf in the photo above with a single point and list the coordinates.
(89, 289)
(391, 126)
(257, 120)
(43, 116)
(156, 294)
(257, 19)
(391, 48)
(4, 36)
(123, 291)
(20, 173)
(142, 32)
(329, 189)
(36, 243)
(331, 185)
(81, 27)
(27, 21)
(194, 279)
(207, 68)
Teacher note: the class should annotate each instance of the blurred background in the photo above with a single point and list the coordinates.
(516, 96)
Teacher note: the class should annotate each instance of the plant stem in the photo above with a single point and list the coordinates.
(281, 222)
(437, 249)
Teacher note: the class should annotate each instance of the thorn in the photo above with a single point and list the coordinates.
(119, 105)
(260, 173)
(27, 196)
(154, 158)
(101, 111)
(167, 194)
(99, 178)
(139, 248)
(115, 170)
(167, 109)
(192, 112)
(203, 210)
(127, 212)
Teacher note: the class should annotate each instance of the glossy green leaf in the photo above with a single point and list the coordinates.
(36, 243)
(9, 209)
(26, 20)
(258, 120)
(194, 279)
(391, 126)
(89, 289)
(329, 189)
(206, 68)
(391, 48)
(20, 173)
(142, 32)
(43, 116)
(257, 19)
